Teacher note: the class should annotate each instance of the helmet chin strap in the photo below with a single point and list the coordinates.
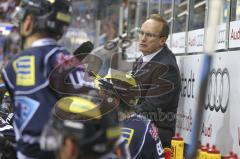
(23, 43)
(22, 40)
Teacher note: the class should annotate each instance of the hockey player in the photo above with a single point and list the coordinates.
(84, 127)
(41, 23)
(139, 132)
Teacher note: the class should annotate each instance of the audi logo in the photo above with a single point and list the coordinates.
(218, 90)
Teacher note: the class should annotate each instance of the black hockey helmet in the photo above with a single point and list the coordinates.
(50, 16)
(92, 123)
(123, 85)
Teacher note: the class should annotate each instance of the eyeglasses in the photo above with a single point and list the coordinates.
(147, 34)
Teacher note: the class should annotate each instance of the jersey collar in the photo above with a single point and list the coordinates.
(44, 42)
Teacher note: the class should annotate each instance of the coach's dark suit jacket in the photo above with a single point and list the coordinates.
(160, 88)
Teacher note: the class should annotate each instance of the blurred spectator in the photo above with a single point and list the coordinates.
(109, 22)
(2, 40)
(13, 43)
(125, 15)
(109, 32)
(8, 44)
(2, 47)
(3, 7)
(6, 9)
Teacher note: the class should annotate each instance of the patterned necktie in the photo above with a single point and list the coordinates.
(137, 65)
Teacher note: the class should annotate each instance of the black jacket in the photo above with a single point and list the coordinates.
(160, 88)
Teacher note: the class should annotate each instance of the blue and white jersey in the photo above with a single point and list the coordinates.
(6, 129)
(142, 137)
(28, 80)
(7, 137)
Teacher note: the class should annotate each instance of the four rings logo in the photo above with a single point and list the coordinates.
(218, 90)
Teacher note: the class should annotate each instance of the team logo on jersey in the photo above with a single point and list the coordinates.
(24, 67)
(25, 108)
(127, 135)
(65, 61)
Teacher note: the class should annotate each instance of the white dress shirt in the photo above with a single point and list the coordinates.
(149, 57)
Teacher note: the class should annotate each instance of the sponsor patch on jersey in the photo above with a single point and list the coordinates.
(25, 108)
(153, 130)
(24, 68)
(127, 135)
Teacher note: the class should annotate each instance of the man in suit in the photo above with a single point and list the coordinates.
(158, 76)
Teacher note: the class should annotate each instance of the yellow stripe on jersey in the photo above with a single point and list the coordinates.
(24, 68)
(127, 134)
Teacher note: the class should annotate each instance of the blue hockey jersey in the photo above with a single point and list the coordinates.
(27, 79)
(6, 128)
(142, 136)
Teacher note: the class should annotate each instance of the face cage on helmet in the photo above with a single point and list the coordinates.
(51, 139)
(55, 133)
(18, 16)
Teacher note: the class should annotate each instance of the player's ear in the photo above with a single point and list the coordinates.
(162, 40)
(27, 25)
